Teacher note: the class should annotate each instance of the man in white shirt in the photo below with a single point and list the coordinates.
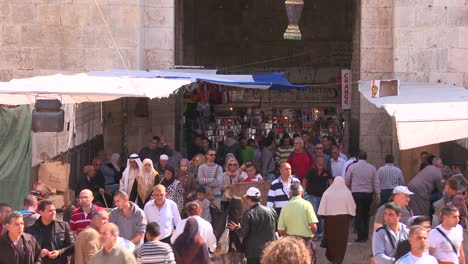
(204, 227)
(418, 241)
(348, 164)
(446, 240)
(162, 211)
(337, 163)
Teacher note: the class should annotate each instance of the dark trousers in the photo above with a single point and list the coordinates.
(167, 240)
(253, 260)
(385, 196)
(363, 203)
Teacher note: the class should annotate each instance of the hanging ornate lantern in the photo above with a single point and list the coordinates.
(294, 12)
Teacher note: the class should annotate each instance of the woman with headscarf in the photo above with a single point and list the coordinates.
(144, 182)
(337, 207)
(189, 247)
(174, 189)
(197, 160)
(187, 179)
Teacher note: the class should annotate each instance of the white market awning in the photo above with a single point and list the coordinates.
(82, 87)
(425, 114)
(109, 85)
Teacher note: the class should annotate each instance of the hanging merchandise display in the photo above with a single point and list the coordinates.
(214, 110)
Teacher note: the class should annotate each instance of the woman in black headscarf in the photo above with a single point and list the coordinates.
(174, 189)
(189, 247)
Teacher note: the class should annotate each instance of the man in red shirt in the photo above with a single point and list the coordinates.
(81, 217)
(301, 160)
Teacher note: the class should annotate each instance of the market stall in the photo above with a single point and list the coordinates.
(212, 110)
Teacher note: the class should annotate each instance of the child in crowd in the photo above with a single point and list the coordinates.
(252, 175)
(203, 203)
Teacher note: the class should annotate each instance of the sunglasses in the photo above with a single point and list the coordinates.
(212, 155)
(232, 164)
(319, 148)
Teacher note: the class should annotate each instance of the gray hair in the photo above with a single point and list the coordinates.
(114, 229)
(15, 215)
(436, 161)
(296, 189)
(100, 213)
(300, 140)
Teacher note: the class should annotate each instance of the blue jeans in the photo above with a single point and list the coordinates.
(315, 201)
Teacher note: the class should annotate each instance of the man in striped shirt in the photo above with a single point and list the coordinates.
(81, 217)
(390, 176)
(210, 176)
(278, 195)
(154, 251)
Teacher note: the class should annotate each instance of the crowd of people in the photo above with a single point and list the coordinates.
(164, 208)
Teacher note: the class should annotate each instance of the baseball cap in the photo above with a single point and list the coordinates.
(164, 157)
(253, 192)
(402, 189)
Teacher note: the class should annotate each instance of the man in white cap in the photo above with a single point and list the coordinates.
(131, 171)
(401, 197)
(257, 226)
(162, 165)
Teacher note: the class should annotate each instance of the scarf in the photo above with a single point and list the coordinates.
(114, 161)
(126, 172)
(337, 199)
(189, 247)
(146, 181)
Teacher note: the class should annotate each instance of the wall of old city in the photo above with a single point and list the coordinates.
(42, 37)
(422, 41)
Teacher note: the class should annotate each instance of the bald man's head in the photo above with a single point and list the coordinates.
(86, 198)
(285, 170)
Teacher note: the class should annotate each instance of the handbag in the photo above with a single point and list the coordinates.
(223, 242)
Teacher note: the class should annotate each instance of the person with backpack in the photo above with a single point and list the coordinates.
(301, 160)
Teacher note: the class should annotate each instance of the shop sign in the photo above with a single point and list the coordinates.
(346, 89)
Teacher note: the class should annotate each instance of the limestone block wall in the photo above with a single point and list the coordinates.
(376, 62)
(431, 41)
(158, 34)
(39, 37)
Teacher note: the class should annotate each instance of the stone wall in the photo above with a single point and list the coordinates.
(431, 41)
(158, 33)
(40, 37)
(376, 62)
(422, 41)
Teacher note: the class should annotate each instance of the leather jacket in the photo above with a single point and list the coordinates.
(258, 226)
(31, 248)
(62, 239)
